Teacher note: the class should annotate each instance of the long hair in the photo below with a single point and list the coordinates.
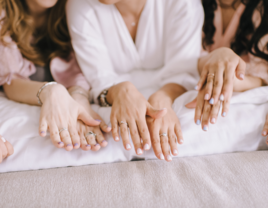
(242, 43)
(37, 45)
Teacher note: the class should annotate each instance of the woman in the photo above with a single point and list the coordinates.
(235, 39)
(6, 149)
(125, 47)
(34, 32)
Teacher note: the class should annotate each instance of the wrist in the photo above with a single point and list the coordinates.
(52, 91)
(160, 100)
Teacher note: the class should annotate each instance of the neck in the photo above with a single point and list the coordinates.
(133, 7)
(230, 3)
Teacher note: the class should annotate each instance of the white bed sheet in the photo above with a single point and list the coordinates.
(239, 131)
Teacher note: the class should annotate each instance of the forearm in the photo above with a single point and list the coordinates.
(81, 96)
(201, 62)
(165, 96)
(248, 83)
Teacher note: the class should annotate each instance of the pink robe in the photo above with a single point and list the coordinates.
(256, 67)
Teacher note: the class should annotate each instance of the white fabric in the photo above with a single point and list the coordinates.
(239, 131)
(167, 46)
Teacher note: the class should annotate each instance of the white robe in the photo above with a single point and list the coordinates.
(166, 50)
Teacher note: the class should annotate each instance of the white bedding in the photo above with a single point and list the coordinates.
(239, 131)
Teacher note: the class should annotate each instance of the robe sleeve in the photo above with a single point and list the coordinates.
(67, 72)
(12, 64)
(90, 49)
(183, 34)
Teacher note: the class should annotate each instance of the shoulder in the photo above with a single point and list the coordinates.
(80, 7)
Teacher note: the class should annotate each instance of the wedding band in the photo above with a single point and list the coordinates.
(123, 122)
(164, 134)
(211, 75)
(63, 129)
(91, 133)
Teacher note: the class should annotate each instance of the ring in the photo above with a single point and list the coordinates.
(164, 134)
(63, 129)
(123, 122)
(91, 133)
(211, 75)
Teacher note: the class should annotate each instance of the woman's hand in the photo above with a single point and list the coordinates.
(265, 129)
(59, 114)
(166, 131)
(218, 70)
(129, 110)
(6, 149)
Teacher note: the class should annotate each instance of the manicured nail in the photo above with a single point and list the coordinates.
(42, 132)
(211, 101)
(198, 122)
(104, 142)
(224, 114)
(175, 152)
(264, 133)
(161, 156)
(213, 120)
(117, 139)
(139, 151)
(96, 145)
(97, 120)
(242, 76)
(88, 145)
(196, 87)
(109, 128)
(68, 145)
(76, 144)
(169, 158)
(60, 143)
(128, 147)
(146, 147)
(3, 139)
(205, 128)
(163, 109)
(222, 98)
(206, 96)
(181, 141)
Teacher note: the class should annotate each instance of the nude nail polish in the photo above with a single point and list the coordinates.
(128, 147)
(109, 128)
(146, 147)
(3, 139)
(162, 157)
(139, 151)
(169, 158)
(206, 96)
(117, 139)
(222, 98)
(213, 120)
(175, 152)
(211, 101)
(242, 76)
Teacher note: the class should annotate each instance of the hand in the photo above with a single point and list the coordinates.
(130, 107)
(6, 149)
(218, 71)
(265, 129)
(204, 110)
(59, 111)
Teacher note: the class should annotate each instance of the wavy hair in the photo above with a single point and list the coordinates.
(37, 45)
(242, 43)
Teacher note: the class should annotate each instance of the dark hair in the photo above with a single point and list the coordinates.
(241, 43)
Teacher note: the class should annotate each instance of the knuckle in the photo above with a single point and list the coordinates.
(124, 130)
(172, 137)
(155, 141)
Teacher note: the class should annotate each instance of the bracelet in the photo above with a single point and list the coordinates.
(41, 89)
(102, 99)
(79, 92)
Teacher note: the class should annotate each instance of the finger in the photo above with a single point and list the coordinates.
(241, 69)
(215, 112)
(66, 139)
(1, 159)
(265, 128)
(217, 87)
(209, 86)
(100, 138)
(206, 116)
(154, 128)
(178, 133)
(144, 134)
(43, 127)
(91, 140)
(155, 113)
(115, 128)
(199, 109)
(125, 135)
(227, 93)
(4, 150)
(87, 119)
(173, 142)
(192, 104)
(54, 135)
(74, 136)
(165, 145)
(203, 78)
(104, 127)
(135, 136)
(83, 142)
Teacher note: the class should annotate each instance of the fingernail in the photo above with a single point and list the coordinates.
(42, 132)
(181, 141)
(161, 156)
(3, 139)
(104, 142)
(109, 128)
(88, 145)
(205, 128)
(96, 145)
(196, 87)
(68, 145)
(163, 109)
(242, 76)
(139, 151)
(198, 122)
(213, 120)
(76, 144)
(222, 98)
(60, 142)
(264, 133)
(175, 152)
(169, 158)
(97, 120)
(224, 114)
(206, 96)
(128, 147)
(117, 139)
(146, 147)
(211, 101)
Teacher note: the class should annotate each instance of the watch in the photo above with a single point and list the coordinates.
(102, 99)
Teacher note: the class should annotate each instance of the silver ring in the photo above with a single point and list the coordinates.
(91, 133)
(164, 134)
(211, 75)
(123, 122)
(63, 129)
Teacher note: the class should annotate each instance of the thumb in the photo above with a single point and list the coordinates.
(241, 69)
(155, 113)
(191, 104)
(87, 119)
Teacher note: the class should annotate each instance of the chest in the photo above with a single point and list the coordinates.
(227, 16)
